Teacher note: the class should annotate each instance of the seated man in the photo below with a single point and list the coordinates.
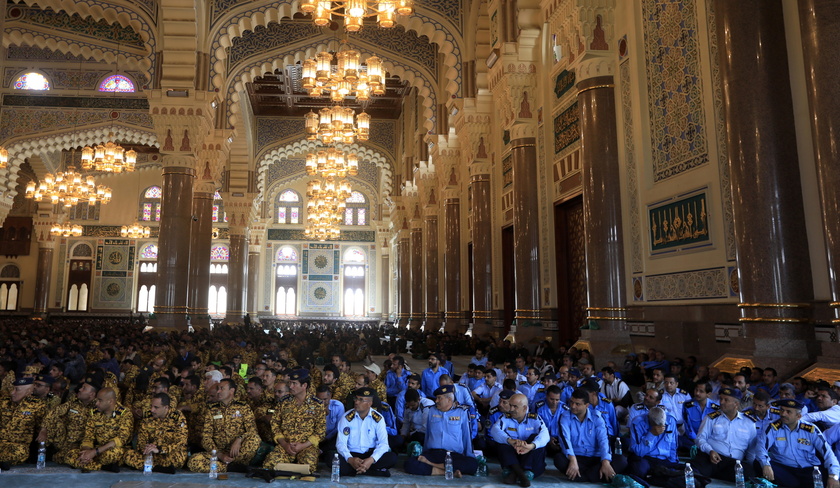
(414, 422)
(585, 451)
(520, 439)
(230, 430)
(549, 411)
(695, 411)
(653, 442)
(829, 411)
(108, 431)
(20, 415)
(65, 424)
(334, 411)
(789, 449)
(447, 429)
(362, 442)
(163, 435)
(724, 437)
(651, 399)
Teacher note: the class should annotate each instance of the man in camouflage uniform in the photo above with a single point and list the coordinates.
(229, 428)
(372, 372)
(20, 416)
(193, 406)
(164, 435)
(298, 427)
(107, 431)
(66, 423)
(41, 387)
(142, 409)
(262, 407)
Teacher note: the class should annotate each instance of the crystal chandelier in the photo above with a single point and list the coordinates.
(4, 157)
(355, 11)
(66, 230)
(332, 163)
(347, 77)
(135, 231)
(325, 207)
(68, 188)
(335, 125)
(110, 158)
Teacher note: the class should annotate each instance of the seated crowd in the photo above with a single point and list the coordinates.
(243, 400)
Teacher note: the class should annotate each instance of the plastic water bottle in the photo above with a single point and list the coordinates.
(448, 466)
(42, 456)
(817, 477)
(214, 465)
(739, 475)
(617, 450)
(689, 476)
(482, 466)
(148, 465)
(335, 477)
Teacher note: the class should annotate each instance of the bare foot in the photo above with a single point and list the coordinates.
(458, 473)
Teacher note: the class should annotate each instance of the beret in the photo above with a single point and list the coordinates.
(789, 403)
(733, 392)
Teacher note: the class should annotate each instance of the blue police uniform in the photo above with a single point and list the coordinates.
(530, 390)
(732, 439)
(551, 419)
(761, 424)
(364, 438)
(674, 402)
(463, 396)
(636, 410)
(430, 380)
(395, 384)
(587, 441)
(335, 410)
(648, 450)
(394, 438)
(484, 391)
(399, 408)
(607, 411)
(533, 430)
(414, 422)
(446, 431)
(793, 453)
(693, 415)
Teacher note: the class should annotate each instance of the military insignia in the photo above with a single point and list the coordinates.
(350, 415)
(781, 439)
(346, 431)
(375, 415)
(512, 428)
(803, 441)
(454, 419)
(714, 415)
(807, 427)
(715, 406)
(689, 404)
(217, 417)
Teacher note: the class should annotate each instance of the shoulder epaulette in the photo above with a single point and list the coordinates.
(541, 390)
(377, 417)
(350, 415)
(175, 414)
(494, 410)
(507, 416)
(683, 392)
(775, 410)
(462, 406)
(776, 425)
(688, 404)
(385, 406)
(608, 400)
(715, 406)
(748, 411)
(523, 382)
(119, 410)
(640, 406)
(751, 417)
(539, 404)
(565, 407)
(715, 415)
(532, 415)
(238, 403)
(807, 427)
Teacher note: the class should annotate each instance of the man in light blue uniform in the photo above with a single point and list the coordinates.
(414, 422)
(726, 436)
(430, 378)
(695, 411)
(520, 439)
(484, 392)
(493, 416)
(600, 403)
(335, 410)
(585, 450)
(479, 359)
(447, 429)
(413, 384)
(789, 449)
(650, 400)
(396, 380)
(673, 399)
(362, 441)
(829, 412)
(653, 442)
(764, 413)
(531, 385)
(549, 411)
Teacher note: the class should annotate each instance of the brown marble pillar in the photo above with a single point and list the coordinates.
(602, 204)
(417, 312)
(526, 239)
(432, 287)
(43, 277)
(385, 288)
(453, 316)
(174, 246)
(237, 278)
(404, 264)
(253, 283)
(820, 22)
(482, 249)
(200, 243)
(772, 247)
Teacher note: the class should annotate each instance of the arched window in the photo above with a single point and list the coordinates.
(217, 301)
(288, 207)
(147, 277)
(356, 212)
(79, 277)
(354, 260)
(149, 251)
(9, 287)
(219, 209)
(117, 83)
(285, 281)
(32, 81)
(150, 205)
(286, 254)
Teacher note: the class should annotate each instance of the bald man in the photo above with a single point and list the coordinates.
(108, 431)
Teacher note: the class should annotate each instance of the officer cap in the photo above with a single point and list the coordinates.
(574, 372)
(443, 390)
(300, 375)
(506, 394)
(94, 380)
(45, 378)
(364, 392)
(23, 381)
(790, 403)
(733, 392)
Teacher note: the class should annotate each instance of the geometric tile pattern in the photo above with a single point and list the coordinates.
(689, 285)
(272, 130)
(675, 95)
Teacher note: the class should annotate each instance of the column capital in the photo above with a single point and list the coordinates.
(593, 65)
(181, 123)
(43, 223)
(417, 225)
(238, 206)
(430, 212)
(480, 168)
(451, 196)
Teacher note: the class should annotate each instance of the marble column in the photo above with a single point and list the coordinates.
(417, 312)
(604, 245)
(482, 249)
(253, 282)
(819, 21)
(385, 287)
(453, 316)
(771, 243)
(431, 278)
(174, 244)
(404, 265)
(43, 278)
(199, 261)
(237, 276)
(526, 239)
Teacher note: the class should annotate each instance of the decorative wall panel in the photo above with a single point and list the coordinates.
(688, 285)
(113, 275)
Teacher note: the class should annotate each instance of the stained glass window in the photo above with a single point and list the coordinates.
(150, 251)
(288, 208)
(117, 83)
(32, 81)
(354, 255)
(295, 215)
(281, 215)
(215, 213)
(219, 253)
(216, 196)
(356, 212)
(147, 212)
(360, 216)
(348, 216)
(289, 196)
(356, 197)
(152, 192)
(286, 253)
(157, 213)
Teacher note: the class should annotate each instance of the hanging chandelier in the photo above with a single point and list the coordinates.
(4, 157)
(110, 157)
(68, 188)
(66, 230)
(325, 207)
(332, 163)
(135, 231)
(355, 11)
(334, 125)
(347, 77)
